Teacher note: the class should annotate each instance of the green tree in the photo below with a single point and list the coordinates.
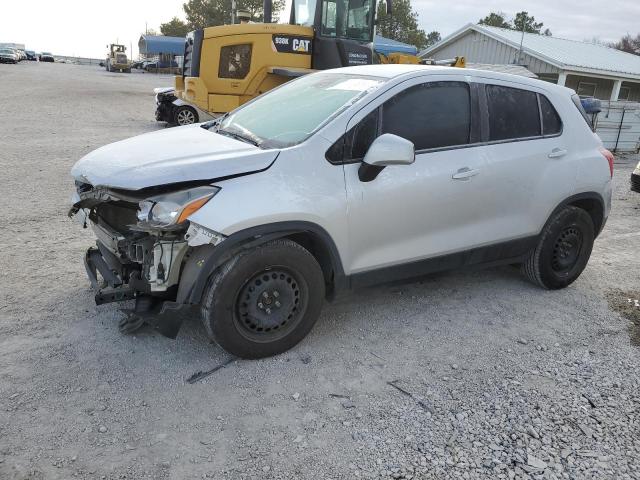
(526, 22)
(496, 19)
(174, 28)
(433, 38)
(402, 24)
(209, 13)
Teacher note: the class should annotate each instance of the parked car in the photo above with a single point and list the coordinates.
(7, 55)
(635, 179)
(46, 57)
(149, 66)
(138, 64)
(339, 180)
(31, 55)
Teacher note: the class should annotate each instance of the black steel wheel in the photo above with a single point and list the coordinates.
(271, 304)
(265, 300)
(566, 249)
(563, 250)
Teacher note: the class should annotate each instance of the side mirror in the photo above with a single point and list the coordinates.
(386, 150)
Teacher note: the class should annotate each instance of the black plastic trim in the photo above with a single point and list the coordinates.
(584, 196)
(513, 251)
(198, 37)
(635, 182)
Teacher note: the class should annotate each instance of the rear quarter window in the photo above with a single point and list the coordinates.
(576, 101)
(551, 123)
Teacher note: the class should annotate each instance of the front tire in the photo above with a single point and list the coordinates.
(265, 300)
(185, 115)
(563, 250)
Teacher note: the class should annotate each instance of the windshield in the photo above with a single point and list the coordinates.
(348, 19)
(5, 50)
(292, 113)
(304, 12)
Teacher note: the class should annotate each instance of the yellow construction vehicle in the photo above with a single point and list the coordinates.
(117, 59)
(228, 65)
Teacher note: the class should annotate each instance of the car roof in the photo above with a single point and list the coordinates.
(408, 71)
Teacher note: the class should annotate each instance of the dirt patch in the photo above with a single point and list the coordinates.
(627, 304)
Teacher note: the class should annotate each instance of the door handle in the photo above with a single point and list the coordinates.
(465, 173)
(557, 153)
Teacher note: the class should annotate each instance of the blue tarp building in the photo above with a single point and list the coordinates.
(386, 46)
(161, 45)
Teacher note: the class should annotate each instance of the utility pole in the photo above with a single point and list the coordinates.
(519, 59)
(233, 11)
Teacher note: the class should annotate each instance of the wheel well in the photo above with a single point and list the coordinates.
(594, 208)
(321, 253)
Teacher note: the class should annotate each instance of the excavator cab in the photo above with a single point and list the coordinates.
(343, 30)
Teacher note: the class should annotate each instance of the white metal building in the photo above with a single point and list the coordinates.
(590, 69)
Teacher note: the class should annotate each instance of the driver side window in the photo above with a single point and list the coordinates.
(431, 115)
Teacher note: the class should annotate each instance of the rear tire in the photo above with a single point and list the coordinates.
(563, 250)
(265, 300)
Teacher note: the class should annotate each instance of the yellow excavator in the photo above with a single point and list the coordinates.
(228, 65)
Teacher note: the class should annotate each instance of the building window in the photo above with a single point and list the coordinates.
(624, 93)
(235, 61)
(586, 89)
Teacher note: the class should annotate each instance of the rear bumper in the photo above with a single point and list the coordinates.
(119, 285)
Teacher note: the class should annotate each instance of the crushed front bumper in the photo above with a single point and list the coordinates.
(165, 316)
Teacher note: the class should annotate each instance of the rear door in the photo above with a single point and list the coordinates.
(529, 158)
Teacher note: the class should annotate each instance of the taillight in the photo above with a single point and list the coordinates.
(610, 158)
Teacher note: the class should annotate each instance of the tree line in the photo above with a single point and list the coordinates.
(400, 25)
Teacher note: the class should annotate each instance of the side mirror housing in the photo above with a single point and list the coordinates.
(386, 150)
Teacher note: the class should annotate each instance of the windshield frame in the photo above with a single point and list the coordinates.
(250, 137)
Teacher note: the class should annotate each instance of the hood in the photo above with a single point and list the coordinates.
(179, 154)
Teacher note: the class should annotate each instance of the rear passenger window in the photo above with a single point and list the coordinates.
(513, 113)
(431, 115)
(551, 123)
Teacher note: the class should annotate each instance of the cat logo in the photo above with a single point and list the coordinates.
(291, 44)
(301, 45)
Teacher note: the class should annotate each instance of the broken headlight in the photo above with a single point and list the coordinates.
(172, 209)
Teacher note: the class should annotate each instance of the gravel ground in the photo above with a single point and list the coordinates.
(462, 375)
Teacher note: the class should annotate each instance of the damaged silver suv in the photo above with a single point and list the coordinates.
(338, 180)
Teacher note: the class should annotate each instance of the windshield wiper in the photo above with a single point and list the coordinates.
(239, 136)
(215, 122)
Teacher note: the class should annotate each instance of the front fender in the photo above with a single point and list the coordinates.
(202, 261)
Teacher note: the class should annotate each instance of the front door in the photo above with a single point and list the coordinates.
(431, 208)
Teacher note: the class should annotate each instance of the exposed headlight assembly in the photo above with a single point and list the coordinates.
(172, 209)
